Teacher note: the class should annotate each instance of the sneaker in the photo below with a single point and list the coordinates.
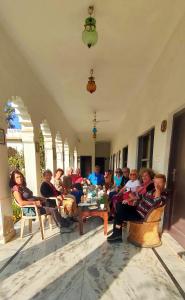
(116, 236)
(110, 219)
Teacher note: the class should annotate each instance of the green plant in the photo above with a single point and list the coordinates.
(15, 159)
(16, 212)
(103, 199)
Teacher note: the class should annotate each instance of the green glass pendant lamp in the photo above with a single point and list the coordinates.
(90, 35)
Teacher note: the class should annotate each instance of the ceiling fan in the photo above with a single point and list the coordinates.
(98, 121)
(95, 121)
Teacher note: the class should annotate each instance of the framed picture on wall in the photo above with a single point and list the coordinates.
(2, 136)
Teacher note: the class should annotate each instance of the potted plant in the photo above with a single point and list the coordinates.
(102, 201)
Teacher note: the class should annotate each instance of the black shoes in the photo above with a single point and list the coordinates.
(110, 219)
(116, 236)
(65, 230)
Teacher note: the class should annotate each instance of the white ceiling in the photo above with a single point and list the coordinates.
(132, 36)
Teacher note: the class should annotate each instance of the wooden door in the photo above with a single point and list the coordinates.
(176, 180)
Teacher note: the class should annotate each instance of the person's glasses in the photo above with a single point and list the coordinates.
(133, 174)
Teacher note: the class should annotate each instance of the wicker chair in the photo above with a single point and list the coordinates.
(146, 233)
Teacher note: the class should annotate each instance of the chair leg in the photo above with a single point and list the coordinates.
(50, 222)
(41, 226)
(22, 227)
(43, 220)
(30, 225)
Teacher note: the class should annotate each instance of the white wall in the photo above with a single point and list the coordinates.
(86, 147)
(18, 78)
(162, 94)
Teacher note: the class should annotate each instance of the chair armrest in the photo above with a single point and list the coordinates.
(29, 205)
(155, 214)
(56, 199)
(137, 222)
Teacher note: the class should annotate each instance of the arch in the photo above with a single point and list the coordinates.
(26, 137)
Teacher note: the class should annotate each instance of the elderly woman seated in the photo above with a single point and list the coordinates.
(147, 201)
(24, 196)
(146, 176)
(47, 189)
(131, 186)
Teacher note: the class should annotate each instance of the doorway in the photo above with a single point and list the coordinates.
(100, 161)
(85, 165)
(176, 180)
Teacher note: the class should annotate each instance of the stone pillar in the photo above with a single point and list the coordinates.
(7, 230)
(31, 160)
(54, 159)
(75, 159)
(59, 154)
(66, 157)
(48, 149)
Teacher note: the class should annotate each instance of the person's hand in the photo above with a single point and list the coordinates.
(158, 187)
(37, 203)
(60, 200)
(125, 202)
(132, 196)
(158, 190)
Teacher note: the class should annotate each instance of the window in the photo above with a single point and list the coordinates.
(124, 156)
(145, 150)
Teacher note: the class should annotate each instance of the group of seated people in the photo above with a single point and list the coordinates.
(67, 192)
(131, 195)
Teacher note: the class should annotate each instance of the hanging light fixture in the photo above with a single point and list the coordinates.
(91, 85)
(90, 35)
(94, 130)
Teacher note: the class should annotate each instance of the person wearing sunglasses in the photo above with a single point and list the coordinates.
(133, 183)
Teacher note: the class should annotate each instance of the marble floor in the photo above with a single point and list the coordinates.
(70, 266)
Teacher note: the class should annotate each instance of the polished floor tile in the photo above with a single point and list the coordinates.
(85, 267)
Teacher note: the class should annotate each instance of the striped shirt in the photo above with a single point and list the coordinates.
(148, 202)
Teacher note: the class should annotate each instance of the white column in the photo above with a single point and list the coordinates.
(59, 154)
(6, 218)
(48, 149)
(31, 160)
(75, 159)
(54, 159)
(66, 157)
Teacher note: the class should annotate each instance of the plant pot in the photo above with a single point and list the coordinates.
(102, 206)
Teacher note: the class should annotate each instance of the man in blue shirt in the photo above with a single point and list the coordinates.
(96, 178)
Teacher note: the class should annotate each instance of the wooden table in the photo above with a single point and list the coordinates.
(85, 212)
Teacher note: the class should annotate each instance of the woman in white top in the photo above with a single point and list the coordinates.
(133, 183)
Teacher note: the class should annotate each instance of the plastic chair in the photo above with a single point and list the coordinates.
(34, 215)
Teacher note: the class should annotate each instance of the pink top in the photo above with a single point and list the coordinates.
(76, 178)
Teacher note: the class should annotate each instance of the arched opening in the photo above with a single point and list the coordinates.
(21, 138)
